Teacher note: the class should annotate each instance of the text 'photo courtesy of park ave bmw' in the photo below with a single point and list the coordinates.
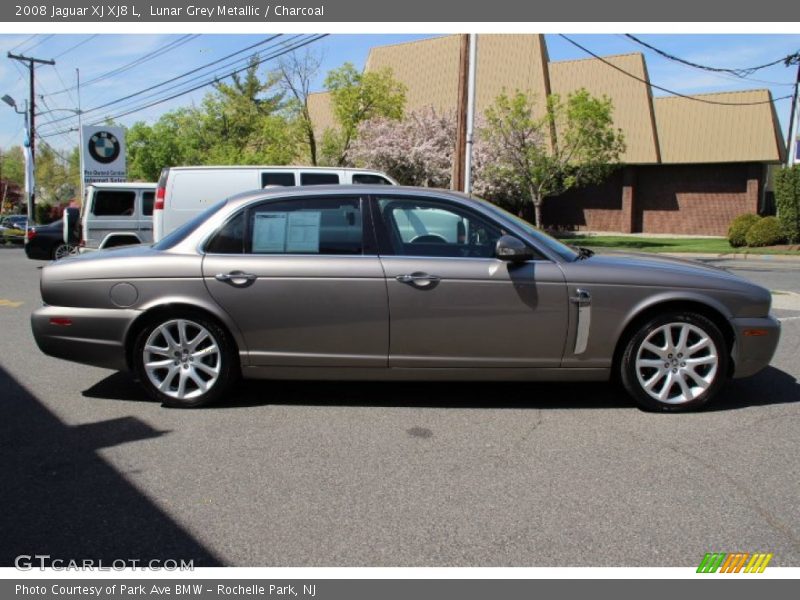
(301, 280)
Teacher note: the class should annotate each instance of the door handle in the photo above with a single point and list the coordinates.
(236, 277)
(419, 279)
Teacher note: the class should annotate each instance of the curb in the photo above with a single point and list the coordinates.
(736, 256)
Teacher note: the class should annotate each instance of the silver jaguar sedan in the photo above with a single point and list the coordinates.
(366, 282)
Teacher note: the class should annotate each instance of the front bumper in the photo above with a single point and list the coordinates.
(755, 344)
(96, 336)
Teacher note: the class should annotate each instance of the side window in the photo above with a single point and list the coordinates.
(230, 237)
(147, 203)
(281, 179)
(113, 203)
(325, 226)
(435, 228)
(366, 178)
(318, 178)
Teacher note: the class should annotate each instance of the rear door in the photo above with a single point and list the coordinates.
(303, 282)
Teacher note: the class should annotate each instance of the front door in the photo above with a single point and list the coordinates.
(301, 283)
(452, 304)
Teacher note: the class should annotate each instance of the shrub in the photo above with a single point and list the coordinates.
(739, 228)
(787, 201)
(766, 232)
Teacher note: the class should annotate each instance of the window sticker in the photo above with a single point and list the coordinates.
(269, 232)
(303, 231)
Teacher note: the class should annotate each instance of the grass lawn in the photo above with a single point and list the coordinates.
(653, 244)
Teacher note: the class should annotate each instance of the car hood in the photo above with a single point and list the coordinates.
(636, 268)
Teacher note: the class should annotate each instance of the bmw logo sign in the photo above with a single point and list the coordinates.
(104, 147)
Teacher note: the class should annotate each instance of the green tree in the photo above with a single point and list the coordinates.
(357, 97)
(585, 149)
(55, 182)
(787, 199)
(12, 165)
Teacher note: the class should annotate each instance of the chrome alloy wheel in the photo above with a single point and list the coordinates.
(182, 359)
(64, 250)
(676, 363)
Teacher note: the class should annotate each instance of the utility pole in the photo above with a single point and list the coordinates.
(791, 143)
(473, 67)
(457, 180)
(31, 122)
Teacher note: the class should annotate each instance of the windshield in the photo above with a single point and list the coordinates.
(181, 233)
(564, 251)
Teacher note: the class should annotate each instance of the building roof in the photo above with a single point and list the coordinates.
(691, 131)
(633, 108)
(669, 130)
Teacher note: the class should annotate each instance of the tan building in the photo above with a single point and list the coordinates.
(691, 165)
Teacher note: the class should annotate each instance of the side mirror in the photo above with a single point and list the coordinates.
(512, 249)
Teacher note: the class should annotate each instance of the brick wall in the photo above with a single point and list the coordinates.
(682, 199)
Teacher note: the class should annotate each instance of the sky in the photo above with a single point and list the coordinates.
(137, 68)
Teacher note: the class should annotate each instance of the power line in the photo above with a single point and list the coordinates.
(39, 43)
(173, 79)
(663, 89)
(742, 73)
(148, 56)
(215, 79)
(73, 47)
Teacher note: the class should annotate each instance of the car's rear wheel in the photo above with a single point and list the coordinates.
(62, 251)
(184, 361)
(673, 362)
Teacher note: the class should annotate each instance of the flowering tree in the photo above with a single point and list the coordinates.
(586, 150)
(416, 151)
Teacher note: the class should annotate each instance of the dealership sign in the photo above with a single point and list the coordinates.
(103, 154)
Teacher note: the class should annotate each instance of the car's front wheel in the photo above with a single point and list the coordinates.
(184, 361)
(676, 361)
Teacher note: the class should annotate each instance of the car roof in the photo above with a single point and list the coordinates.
(342, 190)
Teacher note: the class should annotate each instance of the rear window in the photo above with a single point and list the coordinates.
(113, 203)
(185, 230)
(318, 178)
(281, 179)
(366, 178)
(147, 203)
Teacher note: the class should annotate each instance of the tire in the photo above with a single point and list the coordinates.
(60, 251)
(678, 375)
(203, 369)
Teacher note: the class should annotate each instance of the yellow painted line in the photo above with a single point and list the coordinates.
(767, 558)
(10, 303)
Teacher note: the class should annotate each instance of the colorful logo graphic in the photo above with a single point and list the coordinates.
(735, 562)
(104, 147)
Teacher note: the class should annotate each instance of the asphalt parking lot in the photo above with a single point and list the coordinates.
(366, 474)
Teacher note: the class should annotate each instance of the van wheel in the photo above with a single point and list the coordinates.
(184, 361)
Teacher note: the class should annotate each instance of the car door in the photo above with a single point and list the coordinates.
(303, 282)
(113, 211)
(452, 303)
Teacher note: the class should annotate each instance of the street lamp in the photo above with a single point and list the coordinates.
(29, 167)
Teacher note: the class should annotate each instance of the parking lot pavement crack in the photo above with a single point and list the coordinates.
(775, 523)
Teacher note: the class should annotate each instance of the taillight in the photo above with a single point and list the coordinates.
(31, 233)
(160, 193)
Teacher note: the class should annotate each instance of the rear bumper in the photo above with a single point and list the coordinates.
(96, 336)
(756, 341)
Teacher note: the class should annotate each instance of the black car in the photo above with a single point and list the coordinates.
(46, 242)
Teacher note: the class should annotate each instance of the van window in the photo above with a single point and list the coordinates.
(282, 179)
(147, 203)
(318, 178)
(108, 203)
(369, 179)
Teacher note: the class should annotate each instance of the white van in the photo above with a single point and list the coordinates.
(184, 192)
(116, 214)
